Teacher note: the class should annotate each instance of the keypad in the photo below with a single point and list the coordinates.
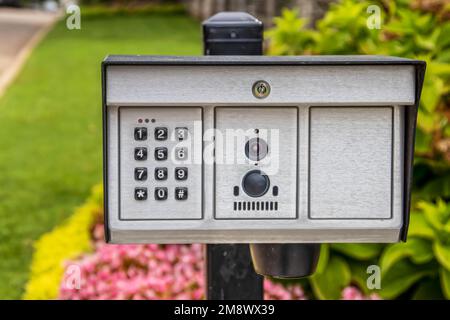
(161, 154)
(160, 170)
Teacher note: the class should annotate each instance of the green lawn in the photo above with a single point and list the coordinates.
(50, 125)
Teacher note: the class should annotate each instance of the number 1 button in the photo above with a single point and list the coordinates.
(140, 134)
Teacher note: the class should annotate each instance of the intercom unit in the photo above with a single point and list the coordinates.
(239, 149)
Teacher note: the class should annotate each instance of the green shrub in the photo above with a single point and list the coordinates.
(67, 241)
(419, 268)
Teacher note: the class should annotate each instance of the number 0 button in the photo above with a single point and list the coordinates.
(140, 153)
(160, 133)
(160, 193)
(161, 153)
(181, 173)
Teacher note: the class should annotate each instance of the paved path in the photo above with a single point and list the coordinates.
(20, 31)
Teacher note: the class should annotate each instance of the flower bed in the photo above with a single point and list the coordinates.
(74, 262)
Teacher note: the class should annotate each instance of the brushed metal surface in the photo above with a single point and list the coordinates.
(278, 127)
(233, 84)
(350, 168)
(171, 118)
(349, 88)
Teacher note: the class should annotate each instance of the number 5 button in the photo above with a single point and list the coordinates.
(181, 173)
(161, 153)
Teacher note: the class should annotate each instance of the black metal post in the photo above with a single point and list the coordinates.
(229, 270)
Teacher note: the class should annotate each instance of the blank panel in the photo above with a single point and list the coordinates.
(350, 162)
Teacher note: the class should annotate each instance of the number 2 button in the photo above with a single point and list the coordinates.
(140, 133)
(160, 133)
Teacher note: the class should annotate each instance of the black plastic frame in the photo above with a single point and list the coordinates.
(410, 112)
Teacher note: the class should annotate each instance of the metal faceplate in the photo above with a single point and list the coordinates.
(335, 138)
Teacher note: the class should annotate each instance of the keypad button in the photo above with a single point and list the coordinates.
(140, 174)
(181, 193)
(161, 153)
(161, 133)
(181, 173)
(181, 153)
(140, 193)
(160, 193)
(140, 153)
(181, 133)
(160, 173)
(140, 133)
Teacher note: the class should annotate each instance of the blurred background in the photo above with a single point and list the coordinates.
(51, 235)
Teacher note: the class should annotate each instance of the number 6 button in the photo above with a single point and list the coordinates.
(181, 173)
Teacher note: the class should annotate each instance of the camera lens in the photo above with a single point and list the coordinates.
(256, 149)
(255, 183)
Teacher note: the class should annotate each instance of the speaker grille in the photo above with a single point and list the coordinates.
(255, 205)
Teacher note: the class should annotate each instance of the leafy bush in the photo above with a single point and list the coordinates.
(67, 241)
(419, 268)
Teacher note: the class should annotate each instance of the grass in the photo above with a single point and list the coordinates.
(50, 124)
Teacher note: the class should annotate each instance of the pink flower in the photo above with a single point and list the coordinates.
(148, 271)
(353, 293)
